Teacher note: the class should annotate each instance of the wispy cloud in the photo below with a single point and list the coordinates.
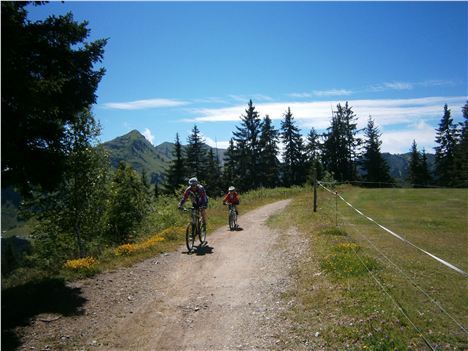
(148, 135)
(144, 104)
(388, 114)
(391, 86)
(333, 92)
(300, 95)
(246, 98)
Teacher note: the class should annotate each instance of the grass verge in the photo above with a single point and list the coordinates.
(359, 288)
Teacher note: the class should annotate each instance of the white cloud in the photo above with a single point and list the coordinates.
(148, 135)
(399, 141)
(214, 144)
(300, 95)
(144, 104)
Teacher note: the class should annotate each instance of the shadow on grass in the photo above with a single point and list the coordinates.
(20, 304)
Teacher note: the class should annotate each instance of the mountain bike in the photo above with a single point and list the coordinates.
(194, 228)
(232, 217)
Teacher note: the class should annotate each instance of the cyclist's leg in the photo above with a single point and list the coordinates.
(203, 216)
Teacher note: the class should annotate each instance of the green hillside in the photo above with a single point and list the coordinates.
(135, 150)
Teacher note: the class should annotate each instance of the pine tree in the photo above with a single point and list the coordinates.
(445, 151)
(269, 164)
(247, 143)
(375, 168)
(293, 156)
(175, 175)
(195, 155)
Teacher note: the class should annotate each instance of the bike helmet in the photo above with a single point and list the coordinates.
(193, 181)
(231, 188)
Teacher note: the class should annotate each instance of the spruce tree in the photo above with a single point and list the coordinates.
(195, 155)
(425, 176)
(339, 149)
(247, 143)
(414, 168)
(213, 181)
(175, 175)
(461, 153)
(445, 151)
(230, 166)
(313, 154)
(293, 155)
(375, 168)
(48, 79)
(269, 164)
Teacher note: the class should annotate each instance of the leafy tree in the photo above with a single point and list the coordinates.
(293, 155)
(375, 168)
(445, 151)
(269, 164)
(176, 172)
(425, 175)
(247, 142)
(72, 218)
(47, 80)
(128, 204)
(195, 155)
(339, 149)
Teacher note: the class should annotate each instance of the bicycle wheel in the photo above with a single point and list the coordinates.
(190, 237)
(202, 233)
(232, 220)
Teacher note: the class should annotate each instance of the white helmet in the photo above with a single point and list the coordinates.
(231, 188)
(193, 181)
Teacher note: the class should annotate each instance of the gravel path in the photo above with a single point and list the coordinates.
(226, 297)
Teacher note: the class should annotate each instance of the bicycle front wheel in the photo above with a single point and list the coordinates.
(232, 220)
(190, 237)
(202, 233)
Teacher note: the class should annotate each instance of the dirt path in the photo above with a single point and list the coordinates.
(224, 298)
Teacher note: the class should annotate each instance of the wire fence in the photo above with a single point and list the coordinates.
(345, 218)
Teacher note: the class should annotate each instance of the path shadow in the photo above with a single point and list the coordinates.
(21, 303)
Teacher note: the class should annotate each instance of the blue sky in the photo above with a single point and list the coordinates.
(171, 65)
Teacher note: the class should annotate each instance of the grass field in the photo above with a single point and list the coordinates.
(361, 288)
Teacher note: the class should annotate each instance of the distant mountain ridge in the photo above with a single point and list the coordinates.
(137, 151)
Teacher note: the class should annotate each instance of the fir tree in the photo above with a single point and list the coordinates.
(461, 153)
(424, 174)
(339, 149)
(48, 79)
(213, 181)
(293, 156)
(269, 164)
(313, 154)
(175, 175)
(247, 143)
(375, 168)
(415, 167)
(445, 151)
(230, 173)
(195, 155)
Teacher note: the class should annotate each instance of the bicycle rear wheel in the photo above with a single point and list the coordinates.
(190, 237)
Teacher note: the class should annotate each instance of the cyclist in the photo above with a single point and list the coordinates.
(232, 198)
(198, 196)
